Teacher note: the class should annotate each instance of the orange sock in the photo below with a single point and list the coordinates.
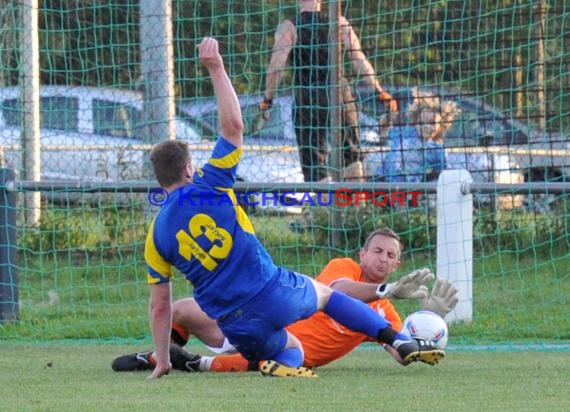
(178, 334)
(229, 363)
(152, 359)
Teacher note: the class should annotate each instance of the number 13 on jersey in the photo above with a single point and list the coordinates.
(203, 225)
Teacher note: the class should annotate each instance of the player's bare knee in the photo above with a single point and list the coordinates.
(323, 294)
(182, 308)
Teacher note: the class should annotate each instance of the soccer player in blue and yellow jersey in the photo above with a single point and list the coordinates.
(202, 232)
(323, 339)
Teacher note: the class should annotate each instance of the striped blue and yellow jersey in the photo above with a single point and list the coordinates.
(202, 232)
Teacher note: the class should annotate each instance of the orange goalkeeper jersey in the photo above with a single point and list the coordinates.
(323, 339)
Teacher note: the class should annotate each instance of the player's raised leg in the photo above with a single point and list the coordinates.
(357, 316)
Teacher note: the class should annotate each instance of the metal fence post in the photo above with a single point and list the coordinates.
(9, 285)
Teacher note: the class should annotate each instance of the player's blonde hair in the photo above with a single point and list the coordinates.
(431, 116)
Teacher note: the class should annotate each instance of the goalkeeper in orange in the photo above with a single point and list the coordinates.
(323, 339)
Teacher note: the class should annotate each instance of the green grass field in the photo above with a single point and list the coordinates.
(514, 356)
(77, 377)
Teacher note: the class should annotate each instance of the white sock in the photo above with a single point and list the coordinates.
(205, 363)
(398, 342)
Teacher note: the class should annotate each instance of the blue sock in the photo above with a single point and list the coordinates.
(355, 315)
(291, 357)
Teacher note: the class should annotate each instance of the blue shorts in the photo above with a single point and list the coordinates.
(256, 329)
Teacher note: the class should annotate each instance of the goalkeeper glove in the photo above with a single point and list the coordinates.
(387, 99)
(264, 108)
(411, 286)
(443, 298)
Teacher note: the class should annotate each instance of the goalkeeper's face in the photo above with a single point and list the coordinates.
(380, 259)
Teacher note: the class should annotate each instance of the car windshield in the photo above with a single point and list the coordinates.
(56, 112)
(274, 128)
(479, 126)
(476, 125)
(278, 127)
(116, 119)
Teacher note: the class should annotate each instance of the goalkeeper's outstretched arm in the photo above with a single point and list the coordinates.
(411, 286)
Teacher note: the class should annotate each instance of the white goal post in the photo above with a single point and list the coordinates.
(455, 239)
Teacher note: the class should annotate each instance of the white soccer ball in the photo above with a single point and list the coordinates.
(428, 326)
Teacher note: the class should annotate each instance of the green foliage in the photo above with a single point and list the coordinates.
(415, 226)
(287, 247)
(102, 227)
(516, 230)
(521, 232)
(409, 42)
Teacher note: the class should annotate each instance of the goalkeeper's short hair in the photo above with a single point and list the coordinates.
(383, 231)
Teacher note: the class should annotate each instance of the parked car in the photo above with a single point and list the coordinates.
(270, 147)
(86, 133)
(96, 134)
(481, 131)
(278, 128)
(492, 146)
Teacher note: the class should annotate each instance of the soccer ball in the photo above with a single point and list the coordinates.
(428, 326)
